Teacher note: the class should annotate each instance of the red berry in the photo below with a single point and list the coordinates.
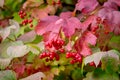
(30, 20)
(98, 19)
(26, 21)
(21, 16)
(51, 57)
(79, 59)
(24, 14)
(95, 28)
(58, 42)
(104, 21)
(23, 23)
(62, 50)
(106, 32)
(57, 57)
(44, 55)
(41, 56)
(21, 12)
(77, 56)
(73, 54)
(72, 61)
(46, 59)
(68, 55)
(62, 42)
(92, 64)
(49, 45)
(31, 25)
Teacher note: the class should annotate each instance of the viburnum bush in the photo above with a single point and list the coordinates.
(59, 39)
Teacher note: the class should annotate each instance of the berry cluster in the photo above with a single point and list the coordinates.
(26, 21)
(57, 44)
(22, 14)
(75, 57)
(104, 23)
(49, 56)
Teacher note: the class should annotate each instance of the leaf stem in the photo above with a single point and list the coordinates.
(82, 67)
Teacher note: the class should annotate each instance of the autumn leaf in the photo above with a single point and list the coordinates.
(82, 43)
(19, 69)
(86, 7)
(41, 27)
(70, 25)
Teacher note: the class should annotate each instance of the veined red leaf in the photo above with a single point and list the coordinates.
(86, 6)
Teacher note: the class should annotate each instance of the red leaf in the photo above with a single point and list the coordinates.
(82, 44)
(87, 22)
(70, 25)
(114, 21)
(110, 5)
(41, 27)
(66, 15)
(85, 50)
(19, 69)
(90, 38)
(115, 1)
(86, 6)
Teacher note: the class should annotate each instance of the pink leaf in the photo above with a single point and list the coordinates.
(70, 25)
(87, 22)
(19, 69)
(55, 27)
(28, 37)
(86, 6)
(82, 44)
(85, 50)
(90, 38)
(110, 5)
(66, 15)
(115, 1)
(41, 27)
(114, 21)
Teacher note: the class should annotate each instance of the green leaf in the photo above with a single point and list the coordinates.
(76, 74)
(30, 57)
(7, 75)
(34, 48)
(110, 65)
(101, 75)
(17, 17)
(115, 42)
